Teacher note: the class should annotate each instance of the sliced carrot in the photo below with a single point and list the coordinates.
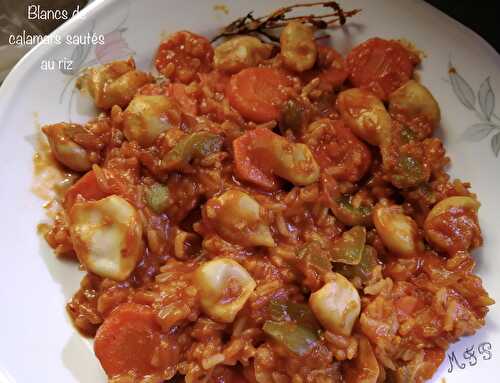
(258, 93)
(127, 340)
(380, 66)
(188, 103)
(252, 166)
(87, 187)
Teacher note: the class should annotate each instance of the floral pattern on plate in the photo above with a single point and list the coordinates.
(489, 122)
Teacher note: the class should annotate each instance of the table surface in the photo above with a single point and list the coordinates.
(482, 16)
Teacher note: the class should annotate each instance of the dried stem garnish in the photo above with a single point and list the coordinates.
(249, 24)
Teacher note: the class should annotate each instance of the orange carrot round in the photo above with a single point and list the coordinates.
(127, 340)
(380, 66)
(250, 166)
(258, 93)
(87, 187)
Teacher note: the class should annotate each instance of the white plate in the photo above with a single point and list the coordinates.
(37, 341)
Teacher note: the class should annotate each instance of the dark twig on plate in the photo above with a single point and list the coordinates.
(248, 24)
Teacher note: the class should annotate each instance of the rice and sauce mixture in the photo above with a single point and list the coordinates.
(266, 213)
